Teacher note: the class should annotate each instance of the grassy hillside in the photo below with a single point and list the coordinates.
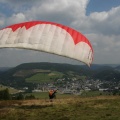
(11, 90)
(44, 77)
(28, 73)
(92, 108)
(26, 69)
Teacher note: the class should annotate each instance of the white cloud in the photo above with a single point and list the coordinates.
(16, 18)
(63, 11)
(99, 16)
(106, 22)
(106, 48)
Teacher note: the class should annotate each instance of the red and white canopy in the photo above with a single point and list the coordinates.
(48, 37)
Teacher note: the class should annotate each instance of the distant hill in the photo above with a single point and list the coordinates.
(108, 75)
(2, 69)
(46, 66)
(117, 68)
(28, 73)
(98, 67)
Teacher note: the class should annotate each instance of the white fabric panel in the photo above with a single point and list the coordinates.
(48, 38)
(4, 36)
(68, 46)
(35, 35)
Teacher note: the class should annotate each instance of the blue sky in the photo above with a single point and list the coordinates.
(101, 5)
(98, 20)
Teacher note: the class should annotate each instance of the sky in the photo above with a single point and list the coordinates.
(98, 20)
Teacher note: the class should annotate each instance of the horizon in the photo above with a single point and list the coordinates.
(111, 65)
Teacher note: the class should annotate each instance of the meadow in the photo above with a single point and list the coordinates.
(67, 108)
(44, 77)
(11, 90)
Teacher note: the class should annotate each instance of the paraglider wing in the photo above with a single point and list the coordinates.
(48, 37)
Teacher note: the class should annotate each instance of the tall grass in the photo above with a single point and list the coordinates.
(77, 108)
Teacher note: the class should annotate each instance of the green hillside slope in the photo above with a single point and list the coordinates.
(44, 77)
(29, 73)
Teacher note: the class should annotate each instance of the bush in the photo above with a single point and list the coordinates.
(29, 97)
(20, 96)
(5, 95)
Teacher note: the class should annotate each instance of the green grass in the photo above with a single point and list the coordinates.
(11, 90)
(75, 108)
(44, 77)
(92, 93)
(44, 95)
(38, 95)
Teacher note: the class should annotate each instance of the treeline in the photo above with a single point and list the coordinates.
(5, 95)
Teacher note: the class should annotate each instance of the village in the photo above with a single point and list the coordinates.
(74, 86)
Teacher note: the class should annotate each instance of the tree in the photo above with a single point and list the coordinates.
(29, 97)
(5, 95)
(20, 96)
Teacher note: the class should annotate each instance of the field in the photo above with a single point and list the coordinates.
(48, 76)
(44, 95)
(11, 90)
(72, 108)
(44, 77)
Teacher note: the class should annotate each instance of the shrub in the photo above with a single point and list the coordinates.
(5, 95)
